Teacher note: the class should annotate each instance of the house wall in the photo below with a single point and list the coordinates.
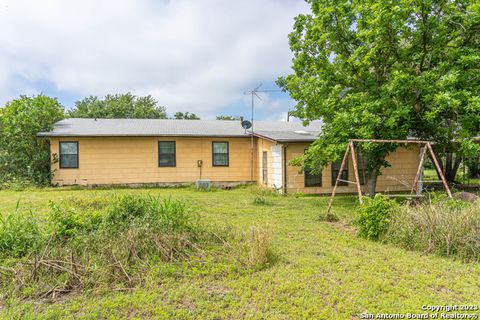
(398, 177)
(274, 163)
(134, 160)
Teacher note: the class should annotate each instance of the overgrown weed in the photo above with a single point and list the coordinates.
(116, 243)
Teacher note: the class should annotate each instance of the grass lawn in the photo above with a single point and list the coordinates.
(322, 271)
(431, 175)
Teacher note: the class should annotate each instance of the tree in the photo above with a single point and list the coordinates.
(222, 117)
(473, 168)
(118, 106)
(23, 156)
(185, 116)
(387, 70)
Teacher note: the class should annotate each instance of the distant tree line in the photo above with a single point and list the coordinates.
(118, 106)
(224, 117)
(185, 116)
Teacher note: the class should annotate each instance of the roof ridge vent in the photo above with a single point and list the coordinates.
(302, 132)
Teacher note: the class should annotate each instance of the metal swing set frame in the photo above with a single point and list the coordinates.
(424, 146)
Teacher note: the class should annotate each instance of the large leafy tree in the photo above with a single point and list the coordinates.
(117, 106)
(387, 69)
(23, 156)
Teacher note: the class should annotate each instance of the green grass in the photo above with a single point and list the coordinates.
(431, 175)
(322, 270)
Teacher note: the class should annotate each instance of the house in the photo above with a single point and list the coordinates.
(167, 152)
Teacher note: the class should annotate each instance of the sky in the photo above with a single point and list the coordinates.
(190, 55)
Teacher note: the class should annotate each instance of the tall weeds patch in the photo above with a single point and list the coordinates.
(19, 234)
(259, 246)
(117, 244)
(447, 228)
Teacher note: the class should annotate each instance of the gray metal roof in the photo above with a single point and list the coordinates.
(301, 135)
(74, 127)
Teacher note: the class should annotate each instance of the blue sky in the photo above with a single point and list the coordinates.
(190, 55)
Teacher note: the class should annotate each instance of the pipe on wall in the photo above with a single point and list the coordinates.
(285, 168)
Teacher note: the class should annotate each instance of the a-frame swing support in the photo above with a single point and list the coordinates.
(425, 146)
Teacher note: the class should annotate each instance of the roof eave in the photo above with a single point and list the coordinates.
(295, 140)
(59, 135)
(282, 140)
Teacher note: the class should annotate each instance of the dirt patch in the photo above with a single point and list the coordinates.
(217, 291)
(344, 227)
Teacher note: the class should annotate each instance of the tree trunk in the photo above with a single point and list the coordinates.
(456, 165)
(372, 182)
(448, 166)
(451, 166)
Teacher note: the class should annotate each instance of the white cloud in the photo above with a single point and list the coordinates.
(195, 55)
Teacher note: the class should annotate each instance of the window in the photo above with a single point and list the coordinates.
(166, 154)
(220, 154)
(362, 167)
(68, 155)
(335, 171)
(264, 167)
(312, 179)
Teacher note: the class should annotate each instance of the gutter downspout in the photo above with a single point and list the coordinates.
(285, 168)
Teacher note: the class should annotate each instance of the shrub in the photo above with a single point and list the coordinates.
(19, 233)
(448, 228)
(374, 215)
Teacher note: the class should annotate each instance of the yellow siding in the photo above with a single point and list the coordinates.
(398, 177)
(131, 160)
(265, 145)
(134, 160)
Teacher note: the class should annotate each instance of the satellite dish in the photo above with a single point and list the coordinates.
(246, 124)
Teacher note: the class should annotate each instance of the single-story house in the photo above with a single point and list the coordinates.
(95, 152)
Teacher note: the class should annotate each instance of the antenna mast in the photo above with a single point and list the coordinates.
(254, 93)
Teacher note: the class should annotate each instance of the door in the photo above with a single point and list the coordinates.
(264, 167)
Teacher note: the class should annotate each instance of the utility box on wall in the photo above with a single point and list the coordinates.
(203, 184)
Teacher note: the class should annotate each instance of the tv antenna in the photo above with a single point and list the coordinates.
(255, 93)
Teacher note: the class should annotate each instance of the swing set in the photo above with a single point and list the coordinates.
(424, 146)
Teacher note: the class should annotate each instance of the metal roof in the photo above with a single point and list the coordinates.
(301, 135)
(274, 130)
